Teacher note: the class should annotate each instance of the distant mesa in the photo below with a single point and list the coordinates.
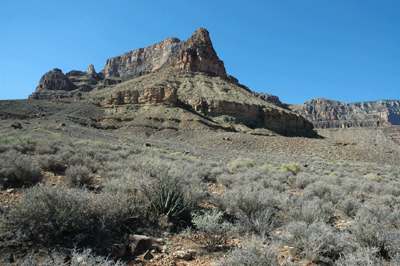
(325, 113)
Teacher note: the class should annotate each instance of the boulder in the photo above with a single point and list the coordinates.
(139, 244)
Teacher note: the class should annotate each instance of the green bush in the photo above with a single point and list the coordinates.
(173, 204)
(292, 167)
(240, 162)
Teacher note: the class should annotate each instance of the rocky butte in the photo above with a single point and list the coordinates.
(183, 74)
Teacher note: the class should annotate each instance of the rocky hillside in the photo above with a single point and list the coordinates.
(179, 74)
(325, 113)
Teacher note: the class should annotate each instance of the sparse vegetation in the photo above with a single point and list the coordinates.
(240, 205)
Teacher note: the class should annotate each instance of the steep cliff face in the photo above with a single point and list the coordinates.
(325, 113)
(254, 115)
(198, 54)
(144, 60)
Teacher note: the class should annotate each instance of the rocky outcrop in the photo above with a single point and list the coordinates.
(55, 80)
(325, 113)
(270, 99)
(254, 116)
(142, 61)
(157, 95)
(90, 70)
(198, 54)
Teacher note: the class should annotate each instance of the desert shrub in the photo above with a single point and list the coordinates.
(240, 162)
(250, 198)
(349, 206)
(302, 180)
(135, 184)
(86, 160)
(370, 232)
(374, 177)
(363, 256)
(225, 179)
(253, 252)
(79, 175)
(267, 167)
(335, 174)
(176, 174)
(55, 214)
(216, 231)
(310, 211)
(317, 242)
(77, 258)
(47, 148)
(17, 170)
(261, 222)
(52, 163)
(292, 167)
(319, 189)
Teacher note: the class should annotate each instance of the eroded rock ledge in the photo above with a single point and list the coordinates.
(254, 115)
(156, 95)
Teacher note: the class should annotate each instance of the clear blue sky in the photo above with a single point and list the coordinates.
(346, 50)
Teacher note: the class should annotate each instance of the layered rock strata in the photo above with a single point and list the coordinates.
(254, 115)
(156, 95)
(198, 54)
(143, 60)
(325, 113)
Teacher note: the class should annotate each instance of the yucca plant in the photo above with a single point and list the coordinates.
(172, 203)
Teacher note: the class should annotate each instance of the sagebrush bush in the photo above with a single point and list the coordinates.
(253, 252)
(317, 242)
(47, 148)
(50, 214)
(77, 258)
(53, 163)
(250, 199)
(261, 222)
(18, 170)
(310, 211)
(216, 231)
(79, 175)
(363, 256)
(135, 184)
